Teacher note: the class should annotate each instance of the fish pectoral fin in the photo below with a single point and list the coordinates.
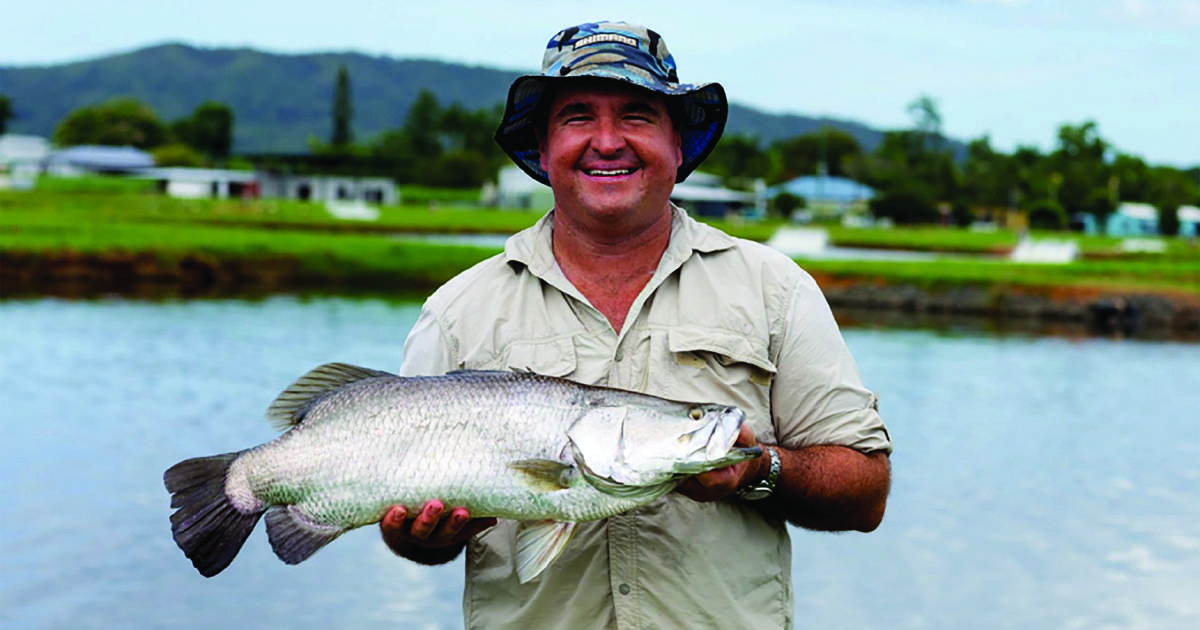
(539, 543)
(544, 475)
(294, 537)
(290, 407)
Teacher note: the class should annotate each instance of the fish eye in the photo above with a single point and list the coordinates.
(696, 413)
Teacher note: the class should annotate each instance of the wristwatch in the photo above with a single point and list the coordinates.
(764, 488)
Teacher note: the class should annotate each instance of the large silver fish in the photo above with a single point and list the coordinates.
(542, 450)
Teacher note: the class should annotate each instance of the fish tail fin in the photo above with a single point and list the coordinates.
(294, 536)
(207, 526)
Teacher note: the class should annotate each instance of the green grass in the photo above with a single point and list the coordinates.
(96, 218)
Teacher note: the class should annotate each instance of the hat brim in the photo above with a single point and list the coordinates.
(702, 115)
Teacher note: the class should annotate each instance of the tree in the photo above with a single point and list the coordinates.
(343, 111)
(906, 205)
(6, 113)
(927, 122)
(177, 154)
(118, 122)
(1047, 214)
(209, 130)
(738, 157)
(806, 154)
(786, 203)
(1079, 161)
(1131, 178)
(985, 174)
(422, 124)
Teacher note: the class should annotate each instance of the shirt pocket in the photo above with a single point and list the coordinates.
(707, 365)
(548, 357)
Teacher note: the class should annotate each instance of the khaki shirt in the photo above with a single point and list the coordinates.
(722, 320)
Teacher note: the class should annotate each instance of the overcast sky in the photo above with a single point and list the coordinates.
(1012, 69)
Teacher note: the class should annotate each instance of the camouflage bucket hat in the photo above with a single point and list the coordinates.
(622, 52)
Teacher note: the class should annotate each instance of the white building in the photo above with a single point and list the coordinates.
(329, 188)
(202, 183)
(21, 160)
(515, 189)
(1189, 220)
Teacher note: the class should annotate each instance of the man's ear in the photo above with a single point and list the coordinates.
(678, 150)
(541, 142)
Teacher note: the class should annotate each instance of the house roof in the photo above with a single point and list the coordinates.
(182, 174)
(1188, 213)
(824, 188)
(102, 158)
(1142, 211)
(692, 192)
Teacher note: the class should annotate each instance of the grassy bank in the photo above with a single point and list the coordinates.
(79, 222)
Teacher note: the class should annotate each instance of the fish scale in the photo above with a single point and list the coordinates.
(546, 451)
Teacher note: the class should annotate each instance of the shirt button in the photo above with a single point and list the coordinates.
(624, 588)
(619, 356)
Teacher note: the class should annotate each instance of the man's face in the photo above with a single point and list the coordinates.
(611, 153)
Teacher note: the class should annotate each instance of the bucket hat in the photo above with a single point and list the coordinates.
(622, 52)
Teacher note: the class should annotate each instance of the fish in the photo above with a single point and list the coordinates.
(542, 450)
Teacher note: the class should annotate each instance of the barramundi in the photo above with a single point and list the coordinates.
(545, 451)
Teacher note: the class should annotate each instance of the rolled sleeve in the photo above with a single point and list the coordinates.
(818, 396)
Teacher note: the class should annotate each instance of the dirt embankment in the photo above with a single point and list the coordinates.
(76, 274)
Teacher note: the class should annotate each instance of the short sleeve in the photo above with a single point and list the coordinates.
(427, 350)
(818, 396)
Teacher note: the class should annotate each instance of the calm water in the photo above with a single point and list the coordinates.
(1039, 482)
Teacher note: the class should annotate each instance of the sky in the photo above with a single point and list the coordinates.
(1013, 70)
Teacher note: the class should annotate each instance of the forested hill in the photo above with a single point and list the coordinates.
(279, 101)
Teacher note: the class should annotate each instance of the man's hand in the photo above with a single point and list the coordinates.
(431, 530)
(718, 484)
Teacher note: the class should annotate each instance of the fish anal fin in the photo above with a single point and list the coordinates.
(294, 537)
(545, 475)
(289, 408)
(539, 543)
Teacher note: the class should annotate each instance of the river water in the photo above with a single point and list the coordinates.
(1040, 482)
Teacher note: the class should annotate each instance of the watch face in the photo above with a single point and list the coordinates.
(756, 494)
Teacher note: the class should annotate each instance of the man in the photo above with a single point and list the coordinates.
(616, 286)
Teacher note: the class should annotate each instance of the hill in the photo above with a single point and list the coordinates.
(279, 101)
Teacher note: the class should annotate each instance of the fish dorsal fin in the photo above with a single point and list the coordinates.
(539, 543)
(290, 407)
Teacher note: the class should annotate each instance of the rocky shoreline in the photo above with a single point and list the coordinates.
(1099, 310)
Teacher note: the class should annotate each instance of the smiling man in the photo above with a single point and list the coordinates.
(616, 286)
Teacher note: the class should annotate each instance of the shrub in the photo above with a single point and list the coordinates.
(1047, 214)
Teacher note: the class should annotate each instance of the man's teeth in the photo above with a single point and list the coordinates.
(609, 172)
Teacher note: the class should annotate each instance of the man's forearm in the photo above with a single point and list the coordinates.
(831, 488)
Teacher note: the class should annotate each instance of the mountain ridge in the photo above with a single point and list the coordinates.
(280, 100)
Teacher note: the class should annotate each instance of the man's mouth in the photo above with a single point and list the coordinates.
(608, 172)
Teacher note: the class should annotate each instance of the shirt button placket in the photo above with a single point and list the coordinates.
(622, 545)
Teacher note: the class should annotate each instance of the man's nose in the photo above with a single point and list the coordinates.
(607, 139)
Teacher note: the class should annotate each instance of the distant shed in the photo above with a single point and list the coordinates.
(1189, 221)
(1132, 219)
(202, 183)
